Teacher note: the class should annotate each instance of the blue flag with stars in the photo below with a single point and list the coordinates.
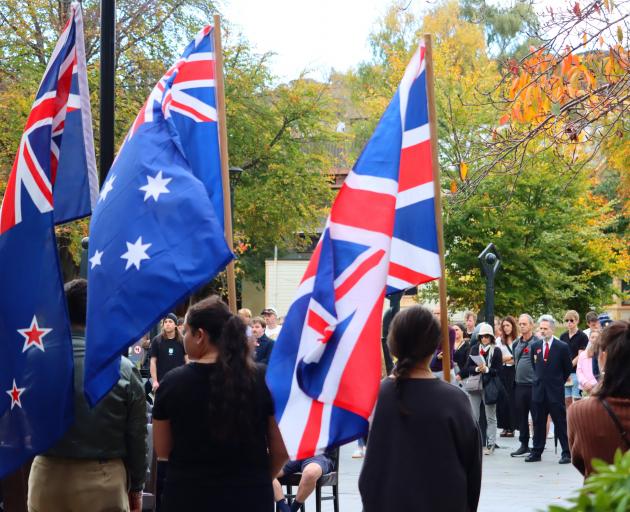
(156, 233)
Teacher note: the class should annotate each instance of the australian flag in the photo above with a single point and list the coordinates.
(53, 180)
(380, 238)
(157, 230)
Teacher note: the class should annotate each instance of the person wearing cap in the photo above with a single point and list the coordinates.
(270, 314)
(167, 350)
(488, 367)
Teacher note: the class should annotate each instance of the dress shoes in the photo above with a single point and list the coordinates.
(521, 451)
(532, 458)
(565, 459)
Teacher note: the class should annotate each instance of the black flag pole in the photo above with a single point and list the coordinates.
(108, 62)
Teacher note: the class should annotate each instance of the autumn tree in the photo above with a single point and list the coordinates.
(277, 134)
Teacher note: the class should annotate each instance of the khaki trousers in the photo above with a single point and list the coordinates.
(74, 485)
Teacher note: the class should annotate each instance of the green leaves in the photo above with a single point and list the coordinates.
(606, 490)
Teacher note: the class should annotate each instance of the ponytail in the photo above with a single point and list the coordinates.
(232, 405)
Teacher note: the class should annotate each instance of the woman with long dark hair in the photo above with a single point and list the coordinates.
(213, 420)
(600, 424)
(424, 447)
(506, 412)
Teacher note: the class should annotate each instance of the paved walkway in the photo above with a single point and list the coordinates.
(508, 484)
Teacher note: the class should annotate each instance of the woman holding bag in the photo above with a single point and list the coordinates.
(483, 366)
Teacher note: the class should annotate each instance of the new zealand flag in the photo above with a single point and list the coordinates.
(53, 180)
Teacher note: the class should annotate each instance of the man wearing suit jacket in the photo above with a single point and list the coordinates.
(551, 360)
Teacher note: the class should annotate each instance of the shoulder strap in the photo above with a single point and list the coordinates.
(613, 416)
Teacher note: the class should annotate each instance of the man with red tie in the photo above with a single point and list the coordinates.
(551, 360)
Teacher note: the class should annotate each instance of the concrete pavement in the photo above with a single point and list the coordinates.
(507, 484)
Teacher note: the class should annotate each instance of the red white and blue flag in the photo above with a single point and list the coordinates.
(157, 230)
(53, 180)
(380, 238)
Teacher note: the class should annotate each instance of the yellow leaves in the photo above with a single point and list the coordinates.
(453, 187)
(619, 34)
(463, 170)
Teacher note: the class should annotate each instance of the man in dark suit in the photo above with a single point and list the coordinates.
(551, 360)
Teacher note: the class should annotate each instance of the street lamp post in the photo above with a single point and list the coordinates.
(490, 262)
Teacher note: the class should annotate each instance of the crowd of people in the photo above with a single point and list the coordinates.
(215, 433)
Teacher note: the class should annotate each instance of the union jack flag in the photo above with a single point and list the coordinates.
(61, 105)
(380, 238)
(55, 168)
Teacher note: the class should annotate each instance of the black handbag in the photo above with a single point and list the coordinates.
(492, 389)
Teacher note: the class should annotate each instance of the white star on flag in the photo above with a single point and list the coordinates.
(33, 335)
(136, 252)
(155, 186)
(15, 395)
(107, 188)
(96, 259)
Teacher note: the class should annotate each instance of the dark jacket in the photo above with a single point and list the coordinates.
(116, 428)
(550, 376)
(494, 366)
(263, 350)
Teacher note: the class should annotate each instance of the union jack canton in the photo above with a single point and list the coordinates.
(380, 238)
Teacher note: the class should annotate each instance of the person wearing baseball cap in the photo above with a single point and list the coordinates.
(270, 314)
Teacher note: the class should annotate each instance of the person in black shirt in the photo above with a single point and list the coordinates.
(461, 350)
(423, 429)
(577, 342)
(214, 420)
(167, 350)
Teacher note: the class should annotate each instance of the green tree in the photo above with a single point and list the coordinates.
(550, 236)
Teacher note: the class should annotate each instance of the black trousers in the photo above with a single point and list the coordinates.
(506, 410)
(523, 404)
(558, 413)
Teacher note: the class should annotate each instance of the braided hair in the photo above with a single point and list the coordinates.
(414, 335)
(232, 406)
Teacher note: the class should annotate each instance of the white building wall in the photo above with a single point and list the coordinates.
(282, 278)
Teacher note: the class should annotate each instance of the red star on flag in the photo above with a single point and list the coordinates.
(34, 335)
(15, 395)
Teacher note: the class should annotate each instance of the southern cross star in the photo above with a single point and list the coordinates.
(33, 335)
(96, 259)
(136, 252)
(15, 393)
(155, 186)
(107, 188)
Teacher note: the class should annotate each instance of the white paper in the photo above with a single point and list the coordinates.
(478, 360)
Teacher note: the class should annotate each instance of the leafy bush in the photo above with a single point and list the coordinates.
(606, 490)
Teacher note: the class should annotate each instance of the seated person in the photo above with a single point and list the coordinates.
(312, 469)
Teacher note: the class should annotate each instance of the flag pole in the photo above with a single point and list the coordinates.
(446, 351)
(225, 172)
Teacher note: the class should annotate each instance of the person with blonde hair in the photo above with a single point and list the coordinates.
(577, 342)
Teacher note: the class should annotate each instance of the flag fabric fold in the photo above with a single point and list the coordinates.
(157, 231)
(325, 369)
(47, 186)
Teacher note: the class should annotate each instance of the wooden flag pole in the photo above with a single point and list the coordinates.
(225, 172)
(446, 349)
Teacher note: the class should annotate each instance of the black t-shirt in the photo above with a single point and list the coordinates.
(169, 353)
(576, 343)
(183, 398)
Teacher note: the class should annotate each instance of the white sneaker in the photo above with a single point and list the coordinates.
(358, 453)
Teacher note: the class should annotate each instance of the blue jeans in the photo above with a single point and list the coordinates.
(574, 389)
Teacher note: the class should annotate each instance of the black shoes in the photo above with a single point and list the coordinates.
(532, 458)
(521, 451)
(565, 459)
